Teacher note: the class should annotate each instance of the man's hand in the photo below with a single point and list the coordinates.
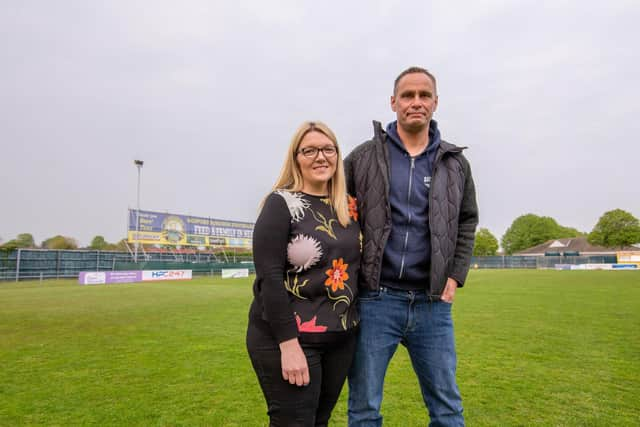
(449, 292)
(294, 363)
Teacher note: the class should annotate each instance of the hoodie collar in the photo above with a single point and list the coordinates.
(434, 136)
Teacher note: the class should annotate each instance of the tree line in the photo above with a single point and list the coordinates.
(614, 229)
(26, 240)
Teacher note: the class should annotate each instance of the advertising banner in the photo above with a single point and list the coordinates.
(153, 275)
(232, 273)
(183, 230)
(108, 277)
(628, 257)
(104, 277)
(596, 267)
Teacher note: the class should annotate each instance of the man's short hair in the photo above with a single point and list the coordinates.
(412, 70)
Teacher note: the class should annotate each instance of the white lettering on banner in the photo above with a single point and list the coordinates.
(231, 232)
(223, 231)
(247, 234)
(201, 229)
(96, 278)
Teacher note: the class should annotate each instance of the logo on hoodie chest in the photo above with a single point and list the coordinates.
(427, 182)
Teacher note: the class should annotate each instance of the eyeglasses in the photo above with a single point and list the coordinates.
(312, 152)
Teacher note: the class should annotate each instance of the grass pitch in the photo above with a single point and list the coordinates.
(534, 348)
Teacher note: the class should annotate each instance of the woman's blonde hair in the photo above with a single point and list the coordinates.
(291, 177)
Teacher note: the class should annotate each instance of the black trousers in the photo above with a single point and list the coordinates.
(307, 406)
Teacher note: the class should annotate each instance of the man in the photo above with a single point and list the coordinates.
(418, 214)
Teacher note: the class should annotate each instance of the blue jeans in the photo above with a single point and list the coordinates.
(425, 328)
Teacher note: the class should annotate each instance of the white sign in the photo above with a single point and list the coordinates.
(231, 273)
(94, 278)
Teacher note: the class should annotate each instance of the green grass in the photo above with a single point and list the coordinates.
(534, 348)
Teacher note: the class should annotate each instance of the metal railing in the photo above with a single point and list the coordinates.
(38, 264)
(34, 264)
(537, 262)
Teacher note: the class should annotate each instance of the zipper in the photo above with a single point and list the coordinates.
(406, 235)
(434, 169)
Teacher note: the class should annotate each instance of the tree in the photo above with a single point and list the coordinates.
(10, 246)
(570, 232)
(25, 240)
(60, 242)
(531, 230)
(616, 228)
(486, 244)
(121, 245)
(98, 243)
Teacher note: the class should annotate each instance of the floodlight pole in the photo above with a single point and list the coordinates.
(138, 164)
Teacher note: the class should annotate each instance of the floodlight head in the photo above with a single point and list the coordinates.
(138, 163)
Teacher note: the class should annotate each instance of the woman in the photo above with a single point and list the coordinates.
(306, 248)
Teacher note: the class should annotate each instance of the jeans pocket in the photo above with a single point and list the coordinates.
(444, 309)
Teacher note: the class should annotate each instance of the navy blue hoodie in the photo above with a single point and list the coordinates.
(407, 254)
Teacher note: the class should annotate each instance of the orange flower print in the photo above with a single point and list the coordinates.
(337, 275)
(353, 208)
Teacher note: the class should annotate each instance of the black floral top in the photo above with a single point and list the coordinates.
(306, 268)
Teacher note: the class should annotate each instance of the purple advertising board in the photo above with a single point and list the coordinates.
(103, 277)
(106, 277)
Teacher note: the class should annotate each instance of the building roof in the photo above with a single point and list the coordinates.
(574, 244)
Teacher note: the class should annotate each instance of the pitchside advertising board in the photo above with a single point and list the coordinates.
(108, 277)
(615, 267)
(234, 273)
(157, 228)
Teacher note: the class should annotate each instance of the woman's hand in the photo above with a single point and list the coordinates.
(294, 363)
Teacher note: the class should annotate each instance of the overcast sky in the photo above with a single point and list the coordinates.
(208, 93)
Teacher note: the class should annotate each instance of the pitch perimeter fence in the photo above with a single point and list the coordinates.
(34, 264)
(30, 264)
(540, 262)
